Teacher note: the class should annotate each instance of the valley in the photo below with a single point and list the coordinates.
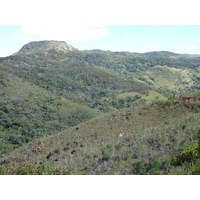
(62, 110)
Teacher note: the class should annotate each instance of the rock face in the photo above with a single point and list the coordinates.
(44, 46)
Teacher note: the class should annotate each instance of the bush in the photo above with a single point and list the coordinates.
(188, 154)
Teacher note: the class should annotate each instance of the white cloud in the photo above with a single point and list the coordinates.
(68, 33)
(192, 47)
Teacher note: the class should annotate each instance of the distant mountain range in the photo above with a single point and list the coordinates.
(65, 108)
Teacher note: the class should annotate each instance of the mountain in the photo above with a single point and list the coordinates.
(45, 90)
(62, 107)
(70, 76)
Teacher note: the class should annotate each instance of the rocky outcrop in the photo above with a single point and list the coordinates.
(44, 46)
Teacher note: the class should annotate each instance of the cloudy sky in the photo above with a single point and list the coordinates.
(134, 38)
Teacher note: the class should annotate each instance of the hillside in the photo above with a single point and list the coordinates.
(28, 112)
(66, 75)
(155, 69)
(153, 135)
(97, 78)
(62, 110)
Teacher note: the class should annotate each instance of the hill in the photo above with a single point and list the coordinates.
(28, 112)
(96, 75)
(44, 90)
(179, 71)
(67, 75)
(154, 136)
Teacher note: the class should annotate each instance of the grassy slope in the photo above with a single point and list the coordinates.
(164, 76)
(148, 96)
(150, 132)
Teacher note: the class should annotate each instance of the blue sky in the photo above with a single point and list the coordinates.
(134, 38)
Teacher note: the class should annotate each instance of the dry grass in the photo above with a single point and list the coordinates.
(149, 96)
(77, 147)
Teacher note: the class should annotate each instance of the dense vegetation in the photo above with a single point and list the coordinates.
(181, 72)
(158, 139)
(28, 112)
(62, 110)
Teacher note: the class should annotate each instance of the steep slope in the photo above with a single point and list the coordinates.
(28, 112)
(153, 134)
